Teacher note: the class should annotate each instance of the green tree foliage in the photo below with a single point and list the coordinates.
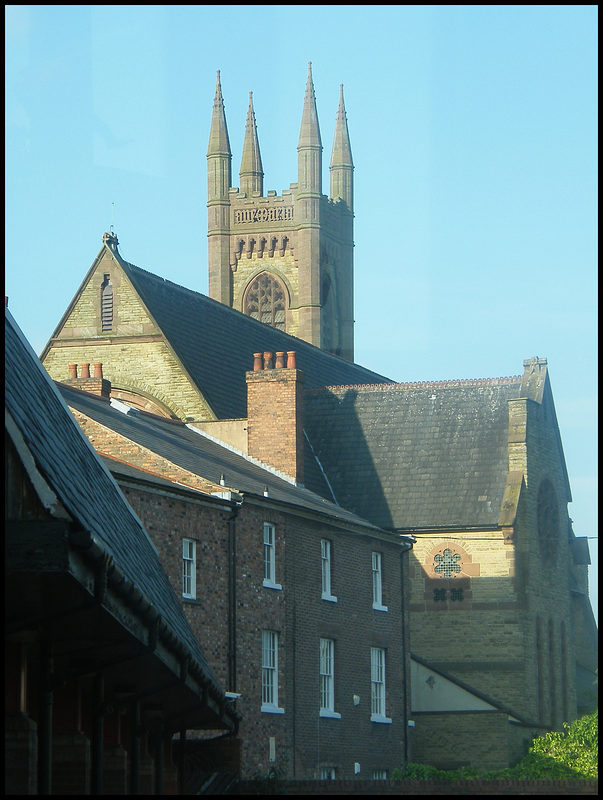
(576, 749)
(558, 755)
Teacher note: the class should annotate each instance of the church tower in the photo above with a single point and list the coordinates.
(286, 259)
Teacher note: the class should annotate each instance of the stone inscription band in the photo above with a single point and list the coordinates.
(263, 214)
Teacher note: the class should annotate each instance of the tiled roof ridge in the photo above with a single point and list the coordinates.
(450, 383)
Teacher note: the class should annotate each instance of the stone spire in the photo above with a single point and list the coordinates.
(218, 150)
(219, 164)
(219, 143)
(309, 147)
(342, 166)
(251, 174)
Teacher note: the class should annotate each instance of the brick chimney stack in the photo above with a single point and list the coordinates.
(275, 433)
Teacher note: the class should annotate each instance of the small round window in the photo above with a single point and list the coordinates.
(548, 521)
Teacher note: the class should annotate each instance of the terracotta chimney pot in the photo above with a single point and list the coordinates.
(72, 371)
(267, 360)
(98, 370)
(257, 361)
(291, 359)
(85, 370)
(280, 361)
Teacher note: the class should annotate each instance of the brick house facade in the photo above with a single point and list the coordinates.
(236, 608)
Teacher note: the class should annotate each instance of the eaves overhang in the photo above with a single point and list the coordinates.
(71, 588)
(357, 527)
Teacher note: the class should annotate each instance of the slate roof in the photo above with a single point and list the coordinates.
(216, 344)
(70, 466)
(411, 456)
(203, 456)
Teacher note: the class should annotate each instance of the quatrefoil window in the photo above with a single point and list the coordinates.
(447, 563)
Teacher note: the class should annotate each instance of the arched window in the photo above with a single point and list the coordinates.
(265, 299)
(107, 304)
(548, 521)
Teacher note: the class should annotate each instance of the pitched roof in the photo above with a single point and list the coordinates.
(86, 489)
(202, 455)
(215, 344)
(412, 456)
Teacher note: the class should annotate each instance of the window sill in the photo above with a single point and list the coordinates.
(270, 708)
(192, 600)
(270, 585)
(331, 598)
(325, 712)
(379, 607)
(381, 719)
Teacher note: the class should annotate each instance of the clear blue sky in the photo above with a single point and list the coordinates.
(474, 137)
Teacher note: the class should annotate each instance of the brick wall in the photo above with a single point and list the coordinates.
(169, 520)
(354, 626)
(302, 740)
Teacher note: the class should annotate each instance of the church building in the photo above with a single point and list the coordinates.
(501, 629)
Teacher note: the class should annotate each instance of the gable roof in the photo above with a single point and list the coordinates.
(202, 455)
(412, 456)
(84, 487)
(222, 344)
(215, 344)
